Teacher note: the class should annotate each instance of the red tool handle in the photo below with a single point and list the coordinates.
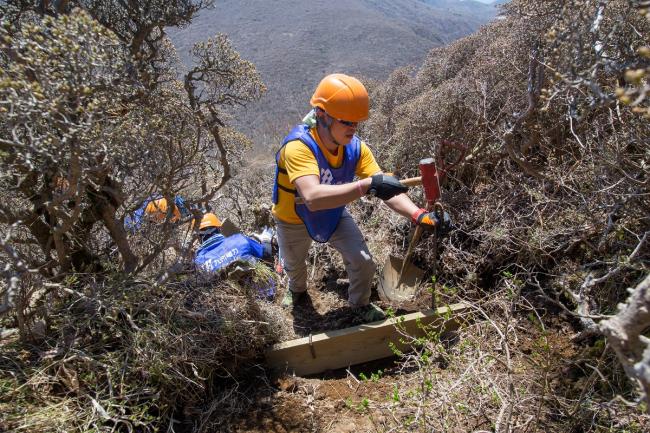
(430, 181)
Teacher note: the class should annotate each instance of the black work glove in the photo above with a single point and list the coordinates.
(386, 187)
(432, 221)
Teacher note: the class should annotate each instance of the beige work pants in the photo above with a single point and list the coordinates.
(294, 243)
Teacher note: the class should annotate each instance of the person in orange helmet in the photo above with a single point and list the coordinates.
(217, 251)
(318, 162)
(210, 224)
(156, 211)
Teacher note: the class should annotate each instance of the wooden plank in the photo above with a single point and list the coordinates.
(363, 343)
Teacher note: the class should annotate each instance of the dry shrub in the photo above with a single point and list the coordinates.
(96, 119)
(126, 354)
(552, 180)
(247, 198)
(552, 195)
(505, 370)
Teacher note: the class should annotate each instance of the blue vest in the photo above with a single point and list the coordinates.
(321, 224)
(218, 251)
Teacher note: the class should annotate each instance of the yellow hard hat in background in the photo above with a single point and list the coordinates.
(342, 97)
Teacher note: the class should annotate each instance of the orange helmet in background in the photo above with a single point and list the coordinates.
(342, 97)
(210, 220)
(156, 211)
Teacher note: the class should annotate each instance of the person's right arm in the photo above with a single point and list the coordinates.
(303, 171)
(318, 196)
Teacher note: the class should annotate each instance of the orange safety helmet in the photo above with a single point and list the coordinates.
(156, 210)
(210, 220)
(342, 97)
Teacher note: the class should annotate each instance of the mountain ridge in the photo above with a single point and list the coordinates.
(294, 44)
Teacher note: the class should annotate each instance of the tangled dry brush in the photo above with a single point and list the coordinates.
(551, 205)
(95, 119)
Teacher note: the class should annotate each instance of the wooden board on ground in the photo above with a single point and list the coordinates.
(363, 343)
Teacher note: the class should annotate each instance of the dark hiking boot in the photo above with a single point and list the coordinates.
(371, 313)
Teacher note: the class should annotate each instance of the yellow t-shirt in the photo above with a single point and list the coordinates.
(297, 160)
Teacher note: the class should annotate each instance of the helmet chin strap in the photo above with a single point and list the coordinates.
(328, 126)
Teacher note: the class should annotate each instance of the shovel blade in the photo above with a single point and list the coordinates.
(388, 283)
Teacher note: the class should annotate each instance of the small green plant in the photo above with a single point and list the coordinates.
(534, 319)
(395, 395)
(496, 400)
(426, 357)
(363, 405)
(462, 408)
(394, 349)
(464, 345)
(516, 282)
(451, 291)
(420, 341)
(447, 314)
(542, 344)
(599, 344)
(432, 334)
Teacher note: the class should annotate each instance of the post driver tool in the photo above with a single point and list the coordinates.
(400, 277)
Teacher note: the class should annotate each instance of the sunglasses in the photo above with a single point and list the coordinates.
(347, 123)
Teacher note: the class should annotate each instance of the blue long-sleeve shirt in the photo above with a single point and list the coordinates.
(219, 251)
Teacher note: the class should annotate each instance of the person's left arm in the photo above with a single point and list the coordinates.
(256, 247)
(401, 203)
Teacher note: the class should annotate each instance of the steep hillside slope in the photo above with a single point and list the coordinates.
(293, 44)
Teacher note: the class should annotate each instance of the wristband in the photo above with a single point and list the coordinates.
(417, 214)
(361, 194)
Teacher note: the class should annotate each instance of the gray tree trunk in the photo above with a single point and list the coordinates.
(624, 332)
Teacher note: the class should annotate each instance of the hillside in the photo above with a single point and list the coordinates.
(465, 7)
(112, 321)
(293, 44)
